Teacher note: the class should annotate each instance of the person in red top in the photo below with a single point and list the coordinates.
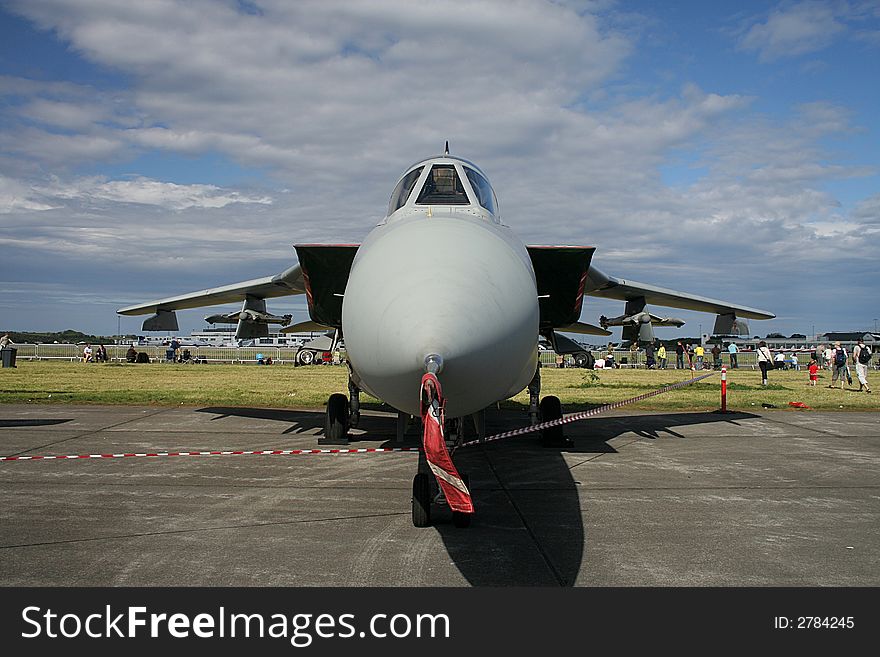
(814, 372)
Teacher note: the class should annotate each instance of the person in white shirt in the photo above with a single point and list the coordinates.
(779, 361)
(862, 357)
(765, 360)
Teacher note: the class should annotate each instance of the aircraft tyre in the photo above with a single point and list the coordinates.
(584, 359)
(305, 357)
(551, 409)
(459, 519)
(421, 500)
(336, 421)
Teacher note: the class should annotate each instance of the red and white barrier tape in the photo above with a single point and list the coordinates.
(574, 417)
(237, 452)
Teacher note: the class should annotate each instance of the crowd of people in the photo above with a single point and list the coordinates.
(96, 355)
(833, 357)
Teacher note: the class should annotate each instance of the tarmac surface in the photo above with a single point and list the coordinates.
(786, 498)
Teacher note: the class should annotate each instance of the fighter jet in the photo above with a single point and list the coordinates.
(441, 308)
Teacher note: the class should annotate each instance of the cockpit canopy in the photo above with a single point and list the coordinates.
(444, 181)
(442, 187)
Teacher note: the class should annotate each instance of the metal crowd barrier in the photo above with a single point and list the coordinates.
(157, 353)
(625, 359)
(286, 355)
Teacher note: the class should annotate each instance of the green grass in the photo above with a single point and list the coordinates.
(309, 387)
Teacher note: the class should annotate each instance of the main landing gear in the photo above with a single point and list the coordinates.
(550, 408)
(336, 422)
(341, 415)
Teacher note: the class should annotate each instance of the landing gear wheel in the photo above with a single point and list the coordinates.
(551, 409)
(584, 359)
(306, 357)
(459, 519)
(336, 421)
(421, 500)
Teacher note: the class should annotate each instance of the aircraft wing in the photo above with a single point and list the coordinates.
(286, 283)
(321, 274)
(609, 287)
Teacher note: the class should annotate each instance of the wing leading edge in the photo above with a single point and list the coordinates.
(321, 274)
(288, 282)
(600, 284)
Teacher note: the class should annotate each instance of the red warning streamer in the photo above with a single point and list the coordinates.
(432, 408)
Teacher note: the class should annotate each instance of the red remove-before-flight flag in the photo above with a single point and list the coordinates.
(457, 494)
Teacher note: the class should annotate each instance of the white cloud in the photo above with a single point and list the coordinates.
(17, 196)
(302, 85)
(90, 192)
(334, 100)
(867, 212)
(168, 196)
(792, 31)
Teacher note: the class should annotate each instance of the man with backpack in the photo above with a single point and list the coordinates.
(862, 358)
(838, 365)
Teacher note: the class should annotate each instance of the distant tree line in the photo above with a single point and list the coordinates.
(69, 336)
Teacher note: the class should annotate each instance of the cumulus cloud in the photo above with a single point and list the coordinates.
(298, 85)
(16, 196)
(333, 100)
(168, 196)
(867, 212)
(793, 30)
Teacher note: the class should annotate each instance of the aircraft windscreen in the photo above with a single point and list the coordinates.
(482, 189)
(404, 188)
(443, 187)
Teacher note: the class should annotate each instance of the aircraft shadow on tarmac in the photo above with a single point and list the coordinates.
(32, 422)
(528, 529)
(301, 421)
(376, 422)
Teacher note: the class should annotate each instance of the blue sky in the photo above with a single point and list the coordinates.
(727, 149)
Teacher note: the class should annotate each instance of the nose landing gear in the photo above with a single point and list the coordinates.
(421, 500)
(453, 487)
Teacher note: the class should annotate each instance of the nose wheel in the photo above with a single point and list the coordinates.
(452, 487)
(421, 500)
(422, 497)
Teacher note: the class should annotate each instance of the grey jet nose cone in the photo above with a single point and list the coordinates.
(448, 287)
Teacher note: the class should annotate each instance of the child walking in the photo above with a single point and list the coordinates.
(814, 372)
